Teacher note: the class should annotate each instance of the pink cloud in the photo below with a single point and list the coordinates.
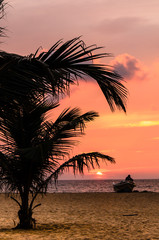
(129, 67)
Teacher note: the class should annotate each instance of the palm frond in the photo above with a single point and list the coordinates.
(35, 147)
(75, 60)
(53, 72)
(55, 139)
(79, 162)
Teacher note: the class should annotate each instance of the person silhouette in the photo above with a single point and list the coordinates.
(129, 178)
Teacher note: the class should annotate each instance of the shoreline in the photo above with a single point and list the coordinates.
(86, 216)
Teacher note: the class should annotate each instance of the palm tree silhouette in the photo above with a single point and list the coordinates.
(32, 148)
(34, 151)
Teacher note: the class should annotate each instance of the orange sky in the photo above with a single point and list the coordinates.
(129, 30)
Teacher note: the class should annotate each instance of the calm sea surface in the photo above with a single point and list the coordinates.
(76, 186)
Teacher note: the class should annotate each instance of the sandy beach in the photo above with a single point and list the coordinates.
(86, 216)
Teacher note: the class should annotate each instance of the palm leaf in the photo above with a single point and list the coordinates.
(53, 72)
(74, 58)
(54, 139)
(79, 162)
(35, 147)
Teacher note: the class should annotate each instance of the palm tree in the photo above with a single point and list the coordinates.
(34, 151)
(53, 71)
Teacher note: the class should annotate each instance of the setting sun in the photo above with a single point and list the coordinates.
(99, 173)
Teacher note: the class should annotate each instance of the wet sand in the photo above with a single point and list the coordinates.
(63, 216)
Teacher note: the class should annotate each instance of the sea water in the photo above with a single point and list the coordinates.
(80, 186)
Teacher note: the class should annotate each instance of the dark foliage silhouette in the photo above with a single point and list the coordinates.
(52, 72)
(35, 151)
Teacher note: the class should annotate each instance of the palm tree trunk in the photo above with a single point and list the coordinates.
(25, 213)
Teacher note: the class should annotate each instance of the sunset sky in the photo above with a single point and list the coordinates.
(129, 30)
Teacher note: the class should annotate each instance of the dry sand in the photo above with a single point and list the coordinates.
(113, 216)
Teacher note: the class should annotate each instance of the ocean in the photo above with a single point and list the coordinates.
(81, 186)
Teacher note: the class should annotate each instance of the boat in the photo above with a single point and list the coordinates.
(124, 186)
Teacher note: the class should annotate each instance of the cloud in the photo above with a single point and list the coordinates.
(128, 67)
(136, 124)
(155, 138)
(127, 121)
(142, 124)
(126, 33)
